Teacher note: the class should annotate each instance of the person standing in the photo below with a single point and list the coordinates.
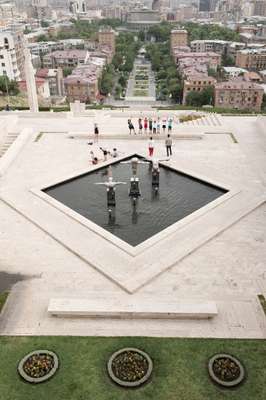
(154, 126)
(164, 124)
(96, 133)
(170, 123)
(140, 126)
(151, 146)
(158, 125)
(145, 124)
(168, 145)
(150, 125)
(131, 127)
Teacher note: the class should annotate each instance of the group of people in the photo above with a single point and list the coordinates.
(150, 125)
(106, 153)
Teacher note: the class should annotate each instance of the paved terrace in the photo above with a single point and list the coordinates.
(221, 259)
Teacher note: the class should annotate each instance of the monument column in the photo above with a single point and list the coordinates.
(30, 82)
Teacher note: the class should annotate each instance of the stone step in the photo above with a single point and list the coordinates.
(149, 308)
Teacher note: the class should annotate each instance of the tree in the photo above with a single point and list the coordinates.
(194, 99)
(207, 96)
(67, 71)
(122, 81)
(8, 86)
(176, 92)
(212, 72)
(141, 36)
(42, 38)
(199, 99)
(227, 61)
(44, 24)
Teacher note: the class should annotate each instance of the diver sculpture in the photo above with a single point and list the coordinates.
(110, 189)
(134, 191)
(155, 170)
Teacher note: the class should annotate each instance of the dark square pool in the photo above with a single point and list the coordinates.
(179, 195)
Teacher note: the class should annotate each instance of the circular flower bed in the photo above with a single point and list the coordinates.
(38, 366)
(130, 367)
(226, 370)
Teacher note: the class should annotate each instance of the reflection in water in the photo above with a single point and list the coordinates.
(111, 216)
(134, 215)
(155, 196)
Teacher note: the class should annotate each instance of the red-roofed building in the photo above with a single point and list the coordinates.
(54, 77)
(41, 85)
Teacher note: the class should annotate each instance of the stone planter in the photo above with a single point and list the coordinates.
(130, 367)
(226, 370)
(38, 366)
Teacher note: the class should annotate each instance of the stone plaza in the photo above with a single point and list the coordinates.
(216, 255)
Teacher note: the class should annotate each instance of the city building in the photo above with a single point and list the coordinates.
(40, 9)
(216, 46)
(233, 72)
(106, 37)
(142, 19)
(211, 60)
(11, 53)
(251, 59)
(196, 83)
(263, 75)
(178, 37)
(7, 10)
(82, 84)
(54, 77)
(77, 6)
(65, 58)
(239, 94)
(42, 87)
(204, 5)
(186, 12)
(260, 8)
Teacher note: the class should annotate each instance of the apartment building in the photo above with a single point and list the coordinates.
(65, 58)
(106, 37)
(196, 83)
(82, 84)
(211, 60)
(178, 37)
(215, 46)
(239, 94)
(251, 59)
(11, 53)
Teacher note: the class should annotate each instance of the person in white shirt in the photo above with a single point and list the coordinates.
(151, 146)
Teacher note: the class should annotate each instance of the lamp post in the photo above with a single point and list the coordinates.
(7, 90)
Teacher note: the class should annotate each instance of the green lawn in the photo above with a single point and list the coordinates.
(3, 298)
(179, 369)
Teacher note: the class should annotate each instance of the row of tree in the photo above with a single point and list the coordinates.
(161, 32)
(168, 80)
(117, 73)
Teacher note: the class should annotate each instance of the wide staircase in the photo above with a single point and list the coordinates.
(206, 120)
(9, 140)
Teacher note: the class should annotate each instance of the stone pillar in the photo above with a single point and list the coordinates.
(30, 82)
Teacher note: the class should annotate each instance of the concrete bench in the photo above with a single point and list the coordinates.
(136, 308)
